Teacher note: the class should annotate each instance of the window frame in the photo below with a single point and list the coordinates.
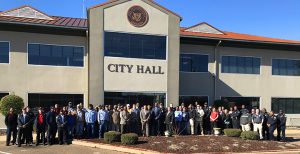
(62, 45)
(259, 97)
(272, 60)
(192, 53)
(285, 98)
(136, 33)
(221, 62)
(9, 56)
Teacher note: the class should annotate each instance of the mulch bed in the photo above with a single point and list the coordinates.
(200, 144)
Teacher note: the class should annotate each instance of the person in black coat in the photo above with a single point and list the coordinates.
(235, 117)
(281, 126)
(30, 125)
(169, 117)
(51, 123)
(272, 124)
(40, 126)
(156, 117)
(11, 122)
(23, 125)
(61, 121)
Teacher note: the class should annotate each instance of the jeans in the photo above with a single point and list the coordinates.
(40, 135)
(90, 130)
(8, 135)
(281, 133)
(51, 133)
(70, 131)
(79, 129)
(102, 128)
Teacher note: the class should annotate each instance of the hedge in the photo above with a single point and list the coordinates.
(249, 135)
(129, 139)
(232, 132)
(11, 101)
(112, 136)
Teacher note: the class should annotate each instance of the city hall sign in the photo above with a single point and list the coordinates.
(140, 69)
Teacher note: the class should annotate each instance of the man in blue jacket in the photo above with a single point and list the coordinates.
(103, 119)
(61, 121)
(157, 117)
(23, 125)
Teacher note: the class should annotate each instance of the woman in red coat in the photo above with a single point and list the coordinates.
(213, 119)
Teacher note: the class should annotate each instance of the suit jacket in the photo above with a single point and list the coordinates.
(169, 118)
(61, 123)
(51, 119)
(11, 121)
(123, 117)
(144, 116)
(23, 121)
(116, 117)
(36, 122)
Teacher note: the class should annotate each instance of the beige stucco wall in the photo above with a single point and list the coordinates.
(20, 78)
(113, 17)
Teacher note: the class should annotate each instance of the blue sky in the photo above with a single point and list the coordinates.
(273, 18)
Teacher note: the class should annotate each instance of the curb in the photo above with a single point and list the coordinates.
(114, 147)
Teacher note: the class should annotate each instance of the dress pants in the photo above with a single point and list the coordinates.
(8, 135)
(40, 135)
(145, 128)
(62, 135)
(51, 133)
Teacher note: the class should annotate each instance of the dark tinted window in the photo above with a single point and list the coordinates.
(287, 105)
(40, 54)
(187, 100)
(243, 65)
(4, 52)
(249, 102)
(134, 45)
(193, 63)
(286, 67)
(48, 100)
(3, 94)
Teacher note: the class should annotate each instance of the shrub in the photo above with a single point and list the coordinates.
(112, 136)
(11, 101)
(129, 139)
(232, 132)
(249, 135)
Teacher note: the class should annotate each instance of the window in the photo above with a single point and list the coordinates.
(4, 52)
(187, 100)
(193, 63)
(249, 102)
(287, 105)
(286, 67)
(134, 46)
(242, 65)
(3, 94)
(55, 55)
(47, 100)
(114, 98)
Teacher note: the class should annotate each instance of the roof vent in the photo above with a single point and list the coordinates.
(204, 28)
(26, 12)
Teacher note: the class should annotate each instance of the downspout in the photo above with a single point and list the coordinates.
(216, 73)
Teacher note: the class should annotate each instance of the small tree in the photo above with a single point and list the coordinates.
(11, 101)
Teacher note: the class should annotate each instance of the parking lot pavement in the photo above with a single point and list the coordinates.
(54, 149)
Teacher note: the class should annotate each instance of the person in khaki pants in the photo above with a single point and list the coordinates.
(145, 116)
(124, 119)
(257, 120)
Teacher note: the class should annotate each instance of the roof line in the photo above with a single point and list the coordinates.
(230, 39)
(201, 23)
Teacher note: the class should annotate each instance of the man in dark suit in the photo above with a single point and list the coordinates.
(51, 123)
(61, 121)
(40, 126)
(169, 120)
(11, 121)
(23, 124)
(157, 114)
(30, 125)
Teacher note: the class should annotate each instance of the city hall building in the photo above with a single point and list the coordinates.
(129, 51)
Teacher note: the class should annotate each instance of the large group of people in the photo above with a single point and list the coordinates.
(77, 122)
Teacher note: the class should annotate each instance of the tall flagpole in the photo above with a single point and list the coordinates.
(83, 8)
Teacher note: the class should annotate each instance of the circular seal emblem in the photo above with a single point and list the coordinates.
(137, 16)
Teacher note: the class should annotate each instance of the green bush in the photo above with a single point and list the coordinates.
(129, 139)
(232, 132)
(249, 135)
(112, 136)
(11, 101)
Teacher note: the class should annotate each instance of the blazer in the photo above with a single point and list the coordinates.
(123, 117)
(61, 123)
(11, 121)
(23, 121)
(116, 117)
(36, 123)
(169, 118)
(144, 116)
(51, 119)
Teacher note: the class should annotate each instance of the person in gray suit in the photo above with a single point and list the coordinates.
(145, 116)
(169, 119)
(123, 119)
(116, 120)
